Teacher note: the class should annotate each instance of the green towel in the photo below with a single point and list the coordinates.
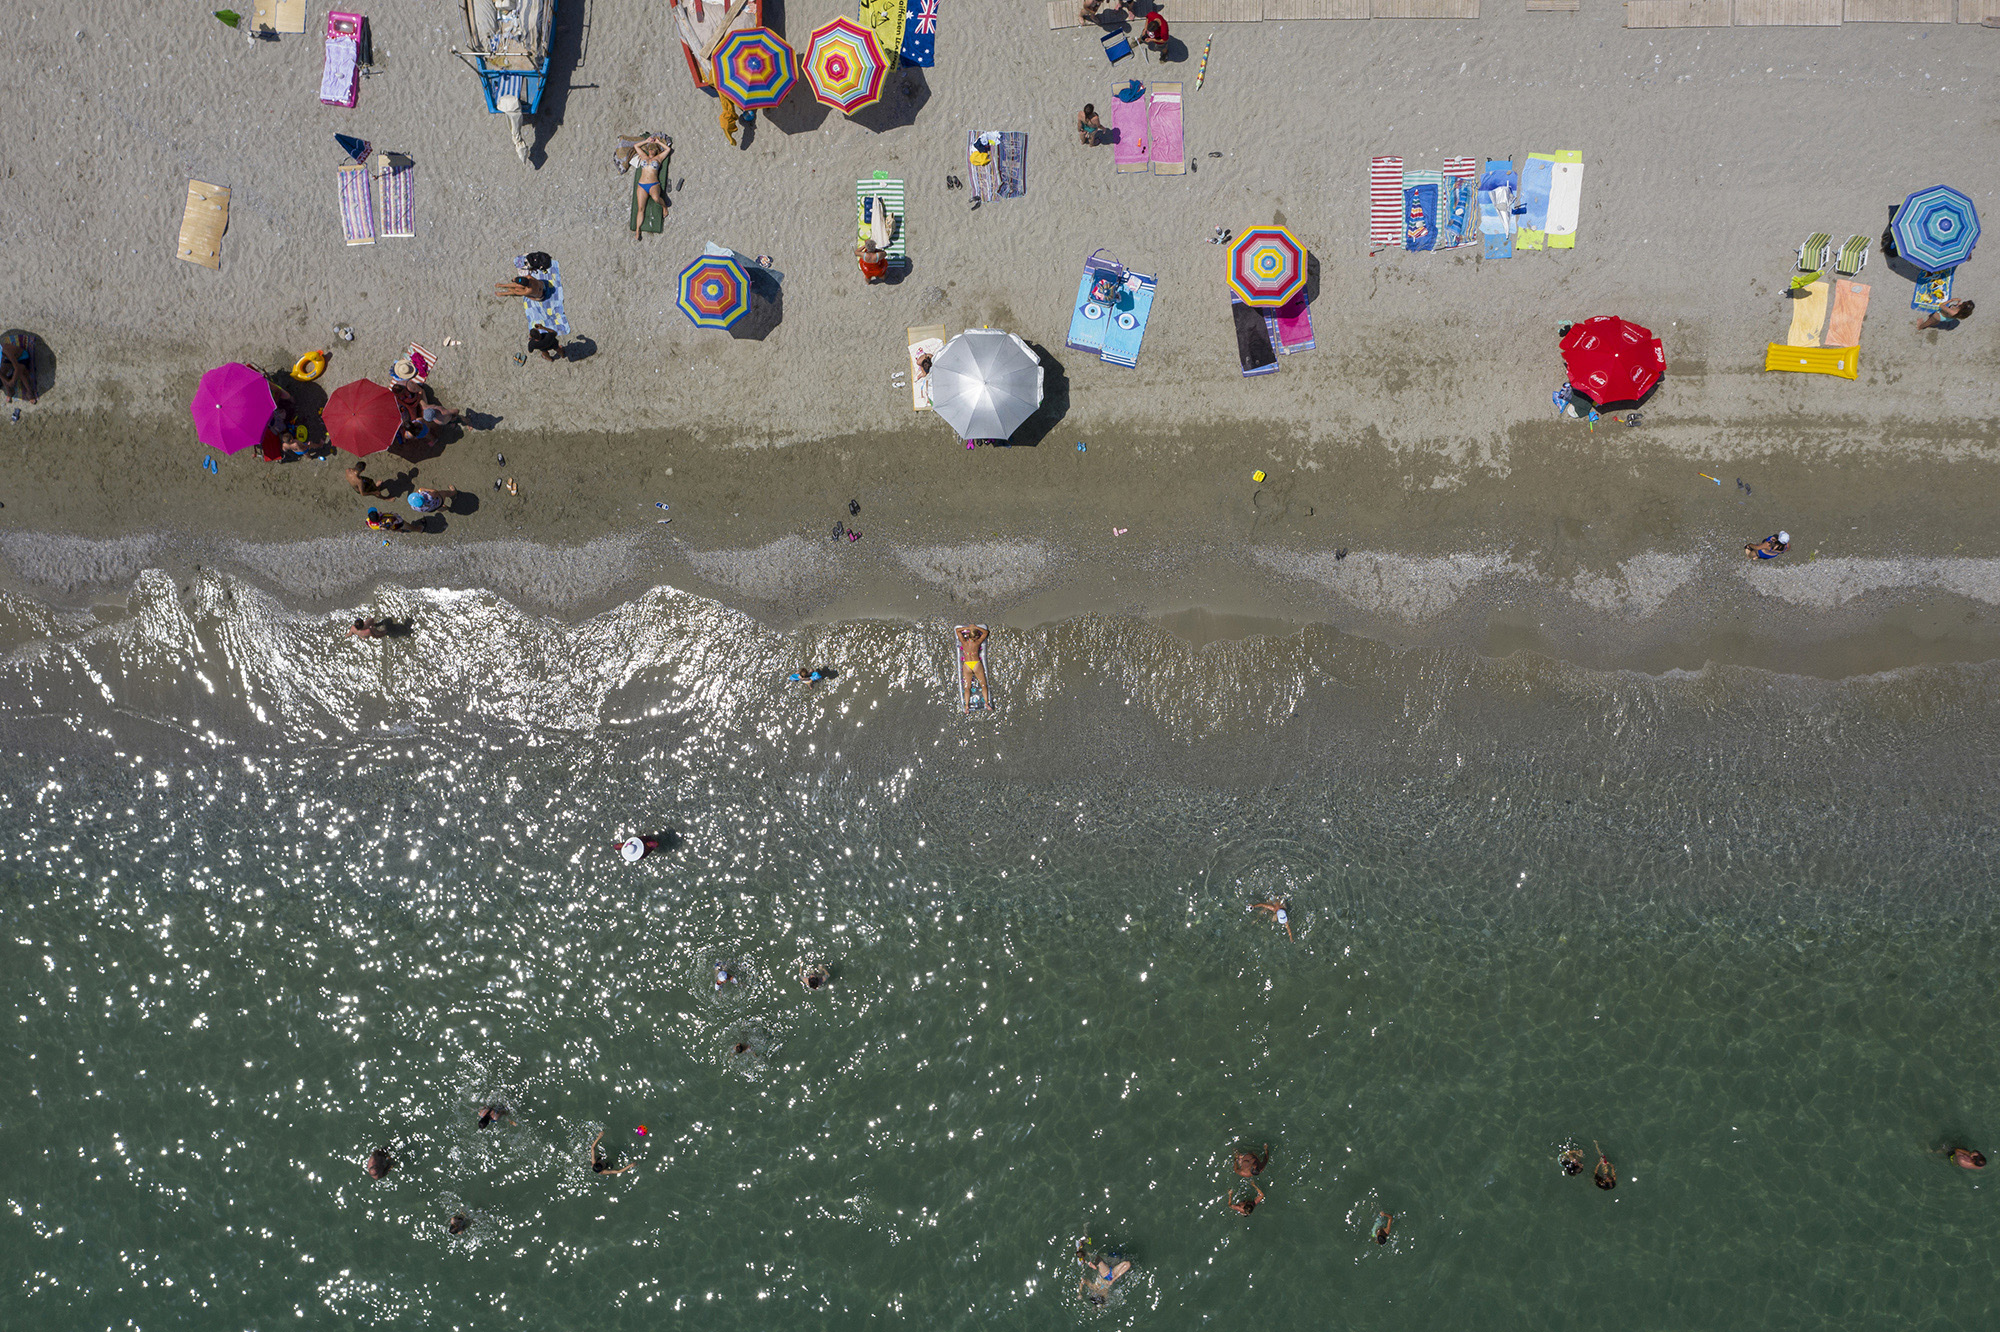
(656, 216)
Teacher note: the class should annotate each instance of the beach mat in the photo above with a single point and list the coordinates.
(985, 183)
(1014, 164)
(398, 197)
(1164, 144)
(278, 16)
(357, 206)
(1385, 203)
(1291, 327)
(1129, 123)
(656, 214)
(1420, 209)
(891, 193)
(1841, 361)
(1850, 307)
(1565, 200)
(340, 79)
(1253, 341)
(1537, 175)
(1808, 317)
(203, 221)
(1461, 222)
(1089, 319)
(1931, 295)
(549, 313)
(917, 341)
(1125, 328)
(1498, 185)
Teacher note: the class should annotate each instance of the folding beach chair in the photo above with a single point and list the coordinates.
(1117, 46)
(1853, 257)
(1813, 256)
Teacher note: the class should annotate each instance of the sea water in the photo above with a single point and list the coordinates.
(275, 897)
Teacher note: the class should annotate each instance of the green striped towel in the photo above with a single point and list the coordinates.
(891, 192)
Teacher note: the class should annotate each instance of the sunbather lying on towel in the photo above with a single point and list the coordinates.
(524, 285)
(651, 154)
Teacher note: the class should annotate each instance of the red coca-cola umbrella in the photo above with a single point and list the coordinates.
(1613, 360)
(362, 417)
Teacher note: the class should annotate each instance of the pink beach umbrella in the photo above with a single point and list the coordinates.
(232, 406)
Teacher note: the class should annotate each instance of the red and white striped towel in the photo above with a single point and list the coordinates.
(1385, 203)
(1465, 168)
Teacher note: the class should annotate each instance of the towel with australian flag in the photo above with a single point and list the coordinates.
(906, 29)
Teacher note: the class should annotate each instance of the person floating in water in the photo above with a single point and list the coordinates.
(379, 1163)
(1382, 1223)
(636, 848)
(811, 677)
(1965, 1158)
(816, 977)
(1244, 1206)
(724, 976)
(1100, 1275)
(1571, 1159)
(1606, 1174)
(460, 1224)
(1280, 912)
(599, 1165)
(1249, 1163)
(492, 1114)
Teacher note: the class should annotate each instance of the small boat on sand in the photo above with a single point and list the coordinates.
(510, 53)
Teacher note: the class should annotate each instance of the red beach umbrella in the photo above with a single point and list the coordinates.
(362, 417)
(1612, 359)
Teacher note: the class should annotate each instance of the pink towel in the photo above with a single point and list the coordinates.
(1292, 326)
(1164, 143)
(1385, 203)
(1130, 120)
(1850, 307)
(340, 80)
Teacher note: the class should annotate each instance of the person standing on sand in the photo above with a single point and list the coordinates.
(874, 261)
(543, 342)
(731, 121)
(1154, 33)
(1947, 316)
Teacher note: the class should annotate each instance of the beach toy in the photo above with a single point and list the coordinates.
(641, 1130)
(309, 367)
(1202, 73)
(1257, 476)
(1706, 477)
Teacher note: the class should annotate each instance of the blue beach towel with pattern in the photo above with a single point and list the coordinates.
(1420, 210)
(1455, 213)
(1013, 159)
(1497, 187)
(548, 313)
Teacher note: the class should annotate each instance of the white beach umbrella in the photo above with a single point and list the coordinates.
(985, 383)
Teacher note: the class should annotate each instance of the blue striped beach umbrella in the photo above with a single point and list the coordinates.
(1936, 228)
(714, 291)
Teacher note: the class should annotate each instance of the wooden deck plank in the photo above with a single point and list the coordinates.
(1787, 14)
(1677, 13)
(1179, 12)
(1282, 10)
(1552, 6)
(1063, 14)
(1978, 11)
(1899, 11)
(1423, 9)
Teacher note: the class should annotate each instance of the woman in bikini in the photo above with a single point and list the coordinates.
(649, 154)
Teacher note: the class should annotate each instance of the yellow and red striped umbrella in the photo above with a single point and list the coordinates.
(845, 65)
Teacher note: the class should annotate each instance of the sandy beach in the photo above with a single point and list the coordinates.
(1418, 437)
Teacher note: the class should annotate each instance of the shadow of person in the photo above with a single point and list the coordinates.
(463, 504)
(579, 349)
(396, 628)
(479, 420)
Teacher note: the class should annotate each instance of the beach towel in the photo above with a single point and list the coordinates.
(1841, 361)
(420, 360)
(1850, 307)
(1385, 203)
(919, 42)
(985, 183)
(1291, 326)
(1808, 317)
(203, 221)
(1127, 326)
(1129, 123)
(1537, 174)
(1013, 164)
(357, 207)
(1932, 294)
(1253, 340)
(1565, 200)
(1462, 173)
(1164, 134)
(1497, 187)
(925, 341)
(887, 19)
(1420, 209)
(891, 193)
(340, 80)
(398, 205)
(1089, 318)
(278, 16)
(549, 313)
(656, 214)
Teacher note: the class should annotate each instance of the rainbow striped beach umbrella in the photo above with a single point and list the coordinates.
(755, 68)
(714, 291)
(1267, 266)
(845, 65)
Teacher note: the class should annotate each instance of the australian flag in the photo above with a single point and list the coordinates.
(920, 33)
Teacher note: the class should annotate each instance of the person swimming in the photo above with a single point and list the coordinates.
(460, 1224)
(811, 677)
(1967, 1159)
(379, 1163)
(1248, 1163)
(741, 1047)
(1280, 912)
(1606, 1174)
(1099, 1276)
(493, 1113)
(1244, 1206)
(724, 976)
(1571, 1159)
(599, 1165)
(816, 977)
(1382, 1223)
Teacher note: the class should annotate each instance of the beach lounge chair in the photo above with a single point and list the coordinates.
(1116, 46)
(1853, 257)
(1813, 256)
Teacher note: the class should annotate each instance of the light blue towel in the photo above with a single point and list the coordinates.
(548, 313)
(1085, 332)
(1496, 225)
(1121, 345)
(1536, 178)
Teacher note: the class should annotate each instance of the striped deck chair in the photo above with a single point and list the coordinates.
(1853, 257)
(1813, 256)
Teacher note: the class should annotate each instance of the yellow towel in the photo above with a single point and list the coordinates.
(1850, 307)
(1808, 317)
(1839, 361)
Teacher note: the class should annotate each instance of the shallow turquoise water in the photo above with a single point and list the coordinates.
(271, 902)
